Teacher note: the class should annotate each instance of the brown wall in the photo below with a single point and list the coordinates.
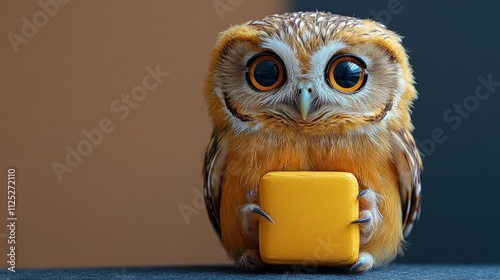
(120, 204)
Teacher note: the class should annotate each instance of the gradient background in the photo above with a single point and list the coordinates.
(120, 205)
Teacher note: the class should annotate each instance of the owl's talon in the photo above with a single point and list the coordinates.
(250, 215)
(251, 193)
(365, 263)
(256, 209)
(356, 266)
(251, 260)
(365, 219)
(369, 216)
(362, 193)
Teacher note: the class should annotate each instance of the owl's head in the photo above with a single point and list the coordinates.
(310, 72)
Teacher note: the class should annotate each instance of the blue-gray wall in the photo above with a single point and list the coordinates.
(453, 46)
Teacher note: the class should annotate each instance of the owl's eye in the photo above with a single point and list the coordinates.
(346, 73)
(265, 72)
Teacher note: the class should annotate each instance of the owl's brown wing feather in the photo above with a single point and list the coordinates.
(409, 166)
(212, 185)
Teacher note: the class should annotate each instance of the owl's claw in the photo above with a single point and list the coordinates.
(251, 193)
(369, 216)
(356, 266)
(250, 259)
(364, 263)
(256, 209)
(365, 219)
(362, 193)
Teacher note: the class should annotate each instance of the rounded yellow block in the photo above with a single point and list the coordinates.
(312, 214)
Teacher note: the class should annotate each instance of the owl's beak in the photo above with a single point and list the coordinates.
(304, 104)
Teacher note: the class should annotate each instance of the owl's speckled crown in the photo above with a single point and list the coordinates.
(311, 30)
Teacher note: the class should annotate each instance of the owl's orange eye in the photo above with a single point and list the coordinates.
(265, 72)
(346, 73)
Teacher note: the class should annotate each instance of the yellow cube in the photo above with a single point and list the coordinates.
(312, 214)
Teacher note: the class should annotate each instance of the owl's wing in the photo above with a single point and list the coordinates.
(212, 174)
(409, 166)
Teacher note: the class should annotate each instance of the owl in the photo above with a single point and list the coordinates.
(312, 91)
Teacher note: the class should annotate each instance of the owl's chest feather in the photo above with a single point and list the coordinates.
(251, 158)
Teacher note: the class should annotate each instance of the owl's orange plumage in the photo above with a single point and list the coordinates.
(368, 135)
(270, 153)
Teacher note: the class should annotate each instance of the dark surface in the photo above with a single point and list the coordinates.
(451, 44)
(397, 271)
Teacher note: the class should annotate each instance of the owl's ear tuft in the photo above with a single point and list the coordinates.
(237, 33)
